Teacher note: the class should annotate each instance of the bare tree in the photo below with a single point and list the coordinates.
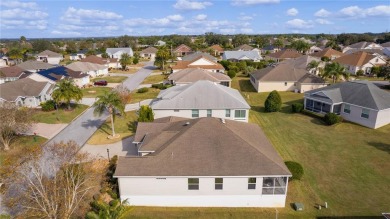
(13, 121)
(124, 93)
(56, 183)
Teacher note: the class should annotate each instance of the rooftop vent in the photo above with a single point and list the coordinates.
(223, 120)
(187, 123)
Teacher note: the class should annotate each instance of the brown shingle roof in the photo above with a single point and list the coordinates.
(191, 75)
(99, 60)
(12, 72)
(244, 47)
(355, 59)
(150, 49)
(328, 52)
(217, 48)
(49, 54)
(285, 54)
(25, 87)
(182, 48)
(230, 149)
(187, 64)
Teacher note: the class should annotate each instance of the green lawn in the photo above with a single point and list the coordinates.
(137, 97)
(95, 91)
(346, 165)
(60, 116)
(153, 79)
(123, 126)
(111, 79)
(368, 78)
(129, 71)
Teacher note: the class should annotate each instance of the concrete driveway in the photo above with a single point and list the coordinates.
(121, 148)
(46, 130)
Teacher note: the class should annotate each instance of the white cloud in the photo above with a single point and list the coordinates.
(175, 17)
(245, 18)
(191, 5)
(18, 13)
(299, 24)
(201, 17)
(67, 33)
(18, 4)
(322, 13)
(292, 12)
(73, 14)
(323, 21)
(253, 2)
(380, 10)
(351, 11)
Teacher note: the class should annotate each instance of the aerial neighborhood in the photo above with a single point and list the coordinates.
(208, 125)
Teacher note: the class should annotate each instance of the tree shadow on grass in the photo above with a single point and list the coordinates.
(132, 126)
(246, 86)
(380, 146)
(105, 127)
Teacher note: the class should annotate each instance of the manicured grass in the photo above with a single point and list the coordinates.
(137, 97)
(21, 143)
(111, 79)
(130, 71)
(368, 78)
(123, 127)
(95, 91)
(153, 79)
(60, 116)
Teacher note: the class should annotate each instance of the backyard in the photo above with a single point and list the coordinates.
(345, 165)
(63, 115)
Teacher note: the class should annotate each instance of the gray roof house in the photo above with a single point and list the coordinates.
(242, 55)
(203, 162)
(196, 55)
(117, 52)
(201, 99)
(34, 66)
(360, 102)
(288, 75)
(191, 75)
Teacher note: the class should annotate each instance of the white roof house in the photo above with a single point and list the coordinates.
(117, 52)
(93, 69)
(242, 55)
(201, 99)
(50, 57)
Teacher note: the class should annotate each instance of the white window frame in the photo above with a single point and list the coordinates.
(367, 113)
(348, 108)
(252, 185)
(209, 112)
(227, 113)
(218, 185)
(196, 112)
(193, 185)
(240, 114)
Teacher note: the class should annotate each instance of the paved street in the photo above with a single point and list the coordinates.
(133, 82)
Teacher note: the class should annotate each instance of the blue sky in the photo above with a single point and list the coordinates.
(87, 18)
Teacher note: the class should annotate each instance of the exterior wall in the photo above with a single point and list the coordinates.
(80, 82)
(279, 86)
(383, 118)
(202, 62)
(308, 87)
(54, 60)
(173, 192)
(355, 116)
(114, 65)
(202, 113)
(102, 72)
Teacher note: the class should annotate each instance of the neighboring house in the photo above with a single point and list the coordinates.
(362, 45)
(360, 61)
(182, 50)
(283, 55)
(3, 63)
(108, 62)
(329, 53)
(289, 75)
(160, 43)
(197, 55)
(382, 53)
(204, 162)
(244, 47)
(360, 102)
(269, 49)
(217, 50)
(314, 49)
(116, 53)
(236, 56)
(201, 62)
(58, 73)
(92, 69)
(34, 66)
(81, 54)
(201, 99)
(26, 92)
(12, 73)
(149, 53)
(191, 75)
(50, 57)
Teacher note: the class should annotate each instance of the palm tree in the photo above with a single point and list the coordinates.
(65, 91)
(162, 56)
(313, 64)
(111, 102)
(335, 71)
(125, 60)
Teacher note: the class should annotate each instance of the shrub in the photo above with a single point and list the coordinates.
(145, 114)
(143, 90)
(160, 86)
(297, 107)
(332, 118)
(296, 170)
(49, 105)
(135, 60)
(231, 73)
(273, 103)
(359, 73)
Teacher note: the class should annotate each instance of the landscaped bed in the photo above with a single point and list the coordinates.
(123, 127)
(62, 115)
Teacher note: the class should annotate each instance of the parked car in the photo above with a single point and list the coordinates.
(100, 83)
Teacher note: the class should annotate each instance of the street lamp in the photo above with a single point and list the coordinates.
(108, 154)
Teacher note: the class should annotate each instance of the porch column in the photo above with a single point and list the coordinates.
(331, 108)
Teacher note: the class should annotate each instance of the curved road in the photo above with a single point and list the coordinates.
(82, 128)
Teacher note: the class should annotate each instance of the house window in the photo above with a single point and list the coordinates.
(218, 183)
(176, 110)
(347, 108)
(227, 113)
(365, 113)
(193, 183)
(285, 83)
(195, 113)
(274, 185)
(239, 114)
(209, 113)
(251, 183)
(376, 60)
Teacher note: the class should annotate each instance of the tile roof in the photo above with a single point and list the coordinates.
(12, 72)
(25, 87)
(360, 93)
(34, 65)
(149, 50)
(328, 52)
(200, 95)
(187, 64)
(241, 55)
(49, 53)
(217, 48)
(182, 48)
(289, 70)
(191, 75)
(285, 54)
(232, 148)
(60, 72)
(355, 59)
